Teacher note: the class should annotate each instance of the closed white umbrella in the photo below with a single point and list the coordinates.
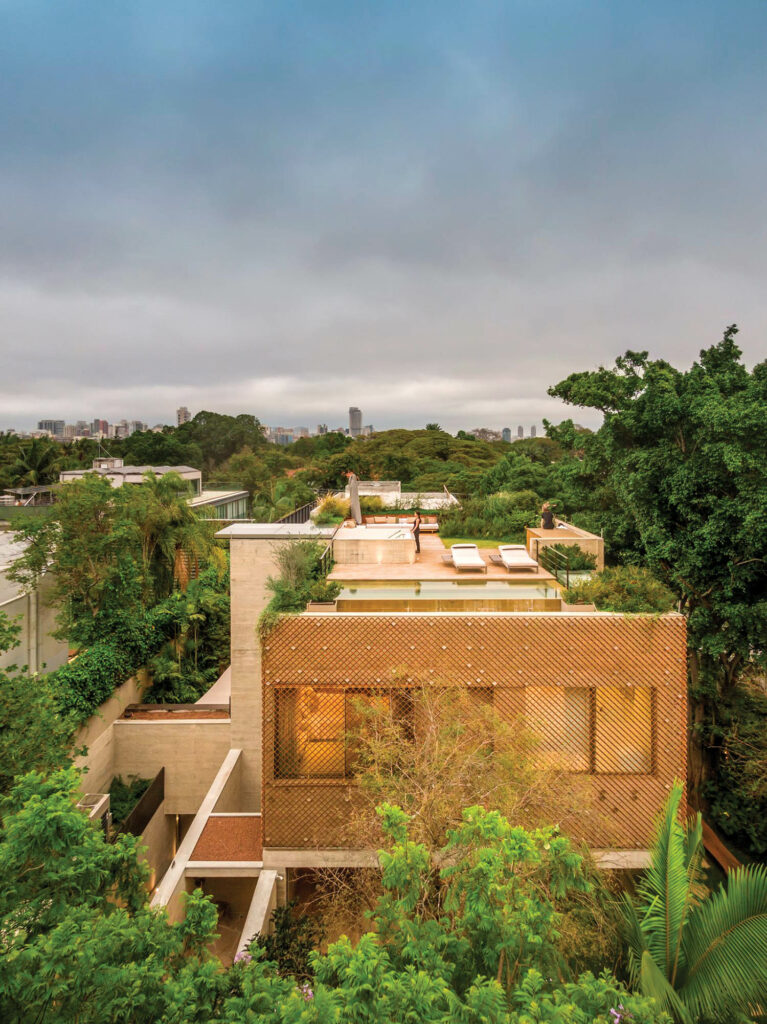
(354, 499)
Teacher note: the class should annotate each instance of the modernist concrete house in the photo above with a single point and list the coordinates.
(226, 505)
(118, 473)
(260, 784)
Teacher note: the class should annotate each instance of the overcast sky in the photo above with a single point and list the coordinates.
(429, 210)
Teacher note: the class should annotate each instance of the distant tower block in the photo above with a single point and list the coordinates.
(506, 434)
(182, 415)
(355, 421)
(532, 430)
(520, 432)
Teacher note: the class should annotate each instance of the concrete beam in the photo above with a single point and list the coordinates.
(617, 860)
(260, 911)
(278, 858)
(223, 868)
(175, 873)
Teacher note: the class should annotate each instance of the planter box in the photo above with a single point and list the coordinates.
(321, 606)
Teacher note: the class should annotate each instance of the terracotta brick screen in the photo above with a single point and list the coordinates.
(605, 694)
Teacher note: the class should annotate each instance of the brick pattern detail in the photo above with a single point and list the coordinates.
(607, 693)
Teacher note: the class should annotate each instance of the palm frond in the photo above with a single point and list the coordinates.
(653, 983)
(635, 939)
(726, 946)
(665, 893)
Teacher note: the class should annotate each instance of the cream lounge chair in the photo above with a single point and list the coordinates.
(515, 556)
(467, 556)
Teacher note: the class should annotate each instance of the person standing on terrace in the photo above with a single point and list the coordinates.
(547, 517)
(417, 532)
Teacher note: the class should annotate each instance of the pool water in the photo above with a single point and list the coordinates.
(448, 595)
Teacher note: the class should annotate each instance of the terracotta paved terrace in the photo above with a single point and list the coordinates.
(230, 837)
(429, 565)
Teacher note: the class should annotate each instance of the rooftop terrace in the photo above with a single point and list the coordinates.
(431, 565)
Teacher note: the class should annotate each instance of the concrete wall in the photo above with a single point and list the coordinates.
(191, 753)
(252, 561)
(37, 618)
(160, 839)
(97, 734)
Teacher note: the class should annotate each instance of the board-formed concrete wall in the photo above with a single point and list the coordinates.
(191, 753)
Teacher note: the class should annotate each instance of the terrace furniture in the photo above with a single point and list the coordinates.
(515, 557)
(467, 556)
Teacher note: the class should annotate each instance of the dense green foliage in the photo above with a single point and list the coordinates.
(502, 516)
(293, 938)
(701, 956)
(460, 943)
(34, 734)
(684, 453)
(136, 576)
(183, 641)
(123, 796)
(196, 649)
(623, 588)
(737, 787)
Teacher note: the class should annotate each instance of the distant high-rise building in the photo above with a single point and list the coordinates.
(506, 434)
(182, 415)
(520, 432)
(322, 428)
(69, 431)
(100, 427)
(135, 426)
(355, 421)
(122, 429)
(532, 430)
(52, 426)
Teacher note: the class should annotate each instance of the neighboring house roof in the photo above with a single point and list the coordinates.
(216, 497)
(37, 489)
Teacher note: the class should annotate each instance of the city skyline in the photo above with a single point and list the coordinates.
(436, 215)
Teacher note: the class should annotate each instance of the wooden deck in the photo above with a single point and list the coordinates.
(429, 565)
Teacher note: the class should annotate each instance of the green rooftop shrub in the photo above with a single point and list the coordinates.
(623, 588)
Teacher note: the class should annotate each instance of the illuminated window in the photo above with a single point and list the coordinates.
(605, 729)
(560, 718)
(623, 729)
(315, 727)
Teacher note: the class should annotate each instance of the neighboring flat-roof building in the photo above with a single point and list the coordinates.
(222, 504)
(118, 473)
(32, 612)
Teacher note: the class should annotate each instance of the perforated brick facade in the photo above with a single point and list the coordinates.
(605, 693)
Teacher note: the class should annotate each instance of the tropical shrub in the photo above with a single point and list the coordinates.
(700, 955)
(331, 510)
(578, 560)
(623, 588)
(293, 938)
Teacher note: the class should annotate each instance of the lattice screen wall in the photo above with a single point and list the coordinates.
(605, 695)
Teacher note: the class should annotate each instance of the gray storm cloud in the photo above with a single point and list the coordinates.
(429, 218)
